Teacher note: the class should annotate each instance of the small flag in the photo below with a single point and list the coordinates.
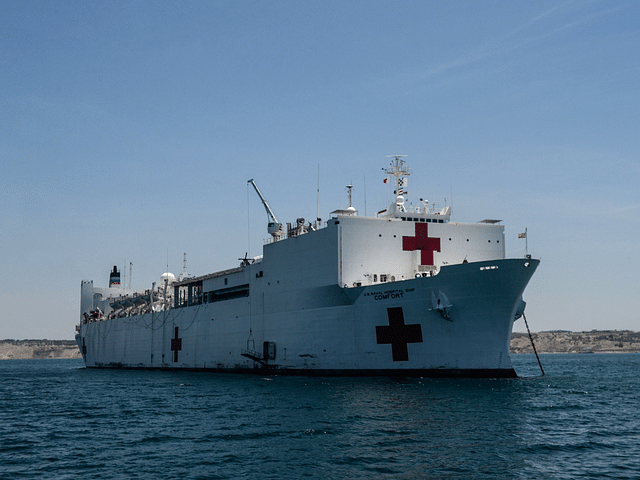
(403, 183)
(522, 235)
(386, 180)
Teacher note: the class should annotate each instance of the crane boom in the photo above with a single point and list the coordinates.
(264, 202)
(274, 227)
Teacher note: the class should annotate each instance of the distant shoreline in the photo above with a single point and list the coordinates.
(594, 341)
(558, 341)
(38, 349)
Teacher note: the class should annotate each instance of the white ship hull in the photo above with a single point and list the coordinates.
(337, 333)
(406, 292)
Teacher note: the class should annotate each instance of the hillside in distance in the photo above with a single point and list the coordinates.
(38, 349)
(559, 341)
(595, 341)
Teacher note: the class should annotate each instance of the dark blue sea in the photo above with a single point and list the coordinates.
(581, 420)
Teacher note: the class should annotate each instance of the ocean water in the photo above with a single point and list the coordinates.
(581, 420)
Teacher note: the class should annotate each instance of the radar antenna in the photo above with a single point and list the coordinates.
(349, 188)
(398, 169)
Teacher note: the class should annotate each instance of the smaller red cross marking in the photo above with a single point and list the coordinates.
(176, 344)
(423, 243)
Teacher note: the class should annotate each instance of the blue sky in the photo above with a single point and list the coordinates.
(130, 129)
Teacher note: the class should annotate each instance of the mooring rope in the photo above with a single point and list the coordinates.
(532, 344)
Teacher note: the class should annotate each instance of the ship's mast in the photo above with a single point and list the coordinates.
(398, 169)
(184, 266)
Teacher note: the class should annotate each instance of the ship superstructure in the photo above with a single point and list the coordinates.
(405, 292)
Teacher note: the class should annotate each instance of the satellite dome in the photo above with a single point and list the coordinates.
(169, 277)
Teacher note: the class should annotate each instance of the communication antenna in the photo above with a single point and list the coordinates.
(349, 188)
(130, 273)
(398, 169)
(184, 266)
(365, 195)
(318, 203)
(248, 222)
(451, 197)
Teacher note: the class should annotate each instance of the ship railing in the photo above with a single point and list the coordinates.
(252, 354)
(294, 232)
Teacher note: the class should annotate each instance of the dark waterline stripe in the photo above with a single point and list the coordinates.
(413, 372)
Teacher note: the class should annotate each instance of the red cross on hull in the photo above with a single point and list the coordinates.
(176, 345)
(398, 334)
(423, 243)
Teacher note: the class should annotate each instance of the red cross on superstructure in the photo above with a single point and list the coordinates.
(423, 243)
(176, 344)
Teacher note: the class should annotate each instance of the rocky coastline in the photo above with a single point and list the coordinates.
(38, 349)
(558, 341)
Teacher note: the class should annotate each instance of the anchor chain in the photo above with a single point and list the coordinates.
(532, 344)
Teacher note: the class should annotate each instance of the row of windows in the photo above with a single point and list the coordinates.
(423, 220)
(194, 295)
(226, 294)
(384, 277)
(497, 241)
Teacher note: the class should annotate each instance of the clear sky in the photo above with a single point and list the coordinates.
(129, 131)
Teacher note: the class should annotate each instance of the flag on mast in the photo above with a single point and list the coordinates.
(402, 186)
(526, 245)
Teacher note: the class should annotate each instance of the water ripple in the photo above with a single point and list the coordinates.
(59, 420)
